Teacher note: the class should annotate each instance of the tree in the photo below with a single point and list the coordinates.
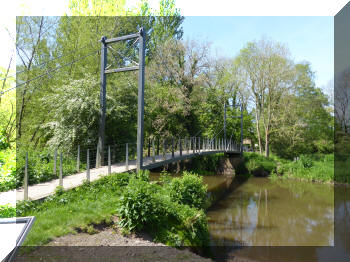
(303, 125)
(269, 70)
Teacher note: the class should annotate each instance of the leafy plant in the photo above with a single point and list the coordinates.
(188, 190)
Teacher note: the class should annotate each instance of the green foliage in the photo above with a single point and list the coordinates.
(7, 211)
(138, 208)
(205, 164)
(140, 205)
(174, 219)
(319, 168)
(40, 168)
(256, 164)
(7, 169)
(188, 190)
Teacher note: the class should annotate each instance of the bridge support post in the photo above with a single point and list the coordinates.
(78, 158)
(127, 156)
(54, 163)
(88, 165)
(149, 147)
(61, 170)
(101, 132)
(140, 97)
(172, 148)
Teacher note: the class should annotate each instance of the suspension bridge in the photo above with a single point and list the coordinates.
(149, 157)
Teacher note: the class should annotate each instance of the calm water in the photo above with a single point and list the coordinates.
(276, 221)
(297, 221)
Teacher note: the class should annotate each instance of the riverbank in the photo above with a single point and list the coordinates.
(108, 242)
(311, 168)
(171, 213)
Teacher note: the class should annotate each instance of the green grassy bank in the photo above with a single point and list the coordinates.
(172, 213)
(315, 168)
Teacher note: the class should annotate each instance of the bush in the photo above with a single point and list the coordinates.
(138, 208)
(306, 161)
(188, 190)
(256, 164)
(7, 169)
(164, 214)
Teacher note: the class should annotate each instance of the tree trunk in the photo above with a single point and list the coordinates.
(267, 144)
(258, 132)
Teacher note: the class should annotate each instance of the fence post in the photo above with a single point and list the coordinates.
(54, 163)
(172, 148)
(127, 156)
(88, 165)
(194, 145)
(149, 147)
(164, 149)
(158, 146)
(153, 152)
(180, 145)
(26, 178)
(61, 171)
(199, 144)
(109, 160)
(78, 159)
(189, 145)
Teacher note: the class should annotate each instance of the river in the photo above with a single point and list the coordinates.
(260, 219)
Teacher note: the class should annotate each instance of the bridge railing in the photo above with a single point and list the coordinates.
(155, 149)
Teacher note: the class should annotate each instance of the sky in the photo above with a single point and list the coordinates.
(309, 38)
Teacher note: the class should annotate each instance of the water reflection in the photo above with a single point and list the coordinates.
(280, 213)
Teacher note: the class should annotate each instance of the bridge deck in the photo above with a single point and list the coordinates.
(43, 190)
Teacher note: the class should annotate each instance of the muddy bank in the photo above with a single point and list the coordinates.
(108, 245)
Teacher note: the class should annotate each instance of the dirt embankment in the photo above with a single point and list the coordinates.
(108, 245)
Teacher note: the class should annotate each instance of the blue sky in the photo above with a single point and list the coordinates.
(308, 38)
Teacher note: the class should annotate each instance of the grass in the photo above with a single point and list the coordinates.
(313, 168)
(138, 204)
(318, 168)
(67, 211)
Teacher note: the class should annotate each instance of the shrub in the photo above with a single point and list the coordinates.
(306, 161)
(7, 169)
(188, 190)
(174, 219)
(137, 206)
(256, 164)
